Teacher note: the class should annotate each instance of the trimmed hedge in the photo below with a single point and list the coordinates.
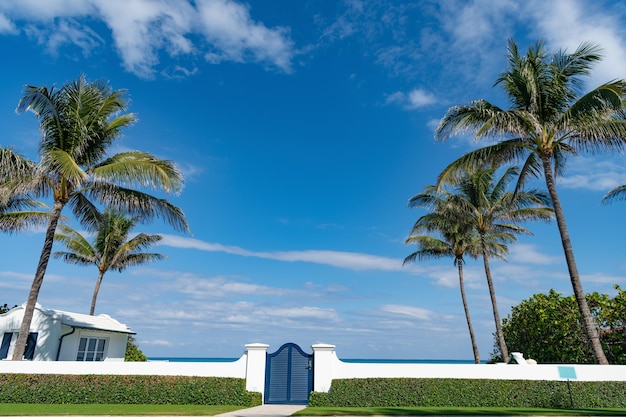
(433, 392)
(124, 389)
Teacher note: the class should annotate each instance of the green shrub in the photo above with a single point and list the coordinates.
(124, 389)
(432, 392)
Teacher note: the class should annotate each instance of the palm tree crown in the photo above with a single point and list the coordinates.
(549, 119)
(79, 122)
(454, 238)
(485, 205)
(113, 248)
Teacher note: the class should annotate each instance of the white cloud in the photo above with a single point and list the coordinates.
(601, 278)
(596, 174)
(236, 37)
(529, 254)
(568, 23)
(144, 29)
(302, 313)
(6, 26)
(349, 260)
(157, 342)
(203, 288)
(412, 100)
(410, 311)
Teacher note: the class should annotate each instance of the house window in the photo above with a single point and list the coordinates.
(31, 343)
(29, 350)
(6, 342)
(91, 349)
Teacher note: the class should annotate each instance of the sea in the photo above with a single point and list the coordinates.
(426, 361)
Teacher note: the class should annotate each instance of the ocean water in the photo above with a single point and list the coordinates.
(431, 361)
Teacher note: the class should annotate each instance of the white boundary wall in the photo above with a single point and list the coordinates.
(328, 367)
(251, 367)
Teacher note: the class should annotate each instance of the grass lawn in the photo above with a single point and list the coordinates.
(113, 409)
(456, 411)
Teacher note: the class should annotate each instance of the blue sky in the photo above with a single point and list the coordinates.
(303, 128)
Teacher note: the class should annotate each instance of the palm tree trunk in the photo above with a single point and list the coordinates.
(494, 304)
(467, 314)
(20, 344)
(95, 293)
(588, 325)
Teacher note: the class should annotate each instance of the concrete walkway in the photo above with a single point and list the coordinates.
(265, 410)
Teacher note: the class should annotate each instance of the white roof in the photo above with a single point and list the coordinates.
(85, 321)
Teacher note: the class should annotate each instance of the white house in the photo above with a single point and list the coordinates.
(63, 336)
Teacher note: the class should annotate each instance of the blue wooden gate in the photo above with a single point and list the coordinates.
(288, 376)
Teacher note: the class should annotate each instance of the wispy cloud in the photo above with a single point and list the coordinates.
(410, 311)
(530, 254)
(596, 174)
(349, 260)
(216, 30)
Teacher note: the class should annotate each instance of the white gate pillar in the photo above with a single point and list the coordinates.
(323, 359)
(255, 367)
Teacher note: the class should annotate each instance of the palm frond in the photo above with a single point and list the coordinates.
(140, 169)
(137, 203)
(616, 194)
(135, 259)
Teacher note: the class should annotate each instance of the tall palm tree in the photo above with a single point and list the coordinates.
(455, 239)
(549, 119)
(79, 122)
(112, 247)
(482, 200)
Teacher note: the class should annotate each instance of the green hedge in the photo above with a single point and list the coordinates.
(414, 392)
(124, 389)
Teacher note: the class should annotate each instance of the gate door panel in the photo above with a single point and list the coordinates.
(288, 376)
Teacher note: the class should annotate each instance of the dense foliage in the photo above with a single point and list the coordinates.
(133, 353)
(124, 389)
(548, 328)
(432, 392)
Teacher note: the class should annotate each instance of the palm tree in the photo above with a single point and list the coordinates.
(495, 214)
(79, 122)
(549, 119)
(456, 239)
(112, 247)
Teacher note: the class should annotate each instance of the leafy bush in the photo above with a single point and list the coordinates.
(133, 353)
(432, 392)
(124, 389)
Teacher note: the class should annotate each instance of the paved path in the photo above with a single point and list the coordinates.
(265, 410)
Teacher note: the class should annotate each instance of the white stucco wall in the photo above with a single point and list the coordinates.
(48, 329)
(236, 369)
(328, 367)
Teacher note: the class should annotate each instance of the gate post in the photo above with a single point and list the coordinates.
(323, 358)
(255, 367)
